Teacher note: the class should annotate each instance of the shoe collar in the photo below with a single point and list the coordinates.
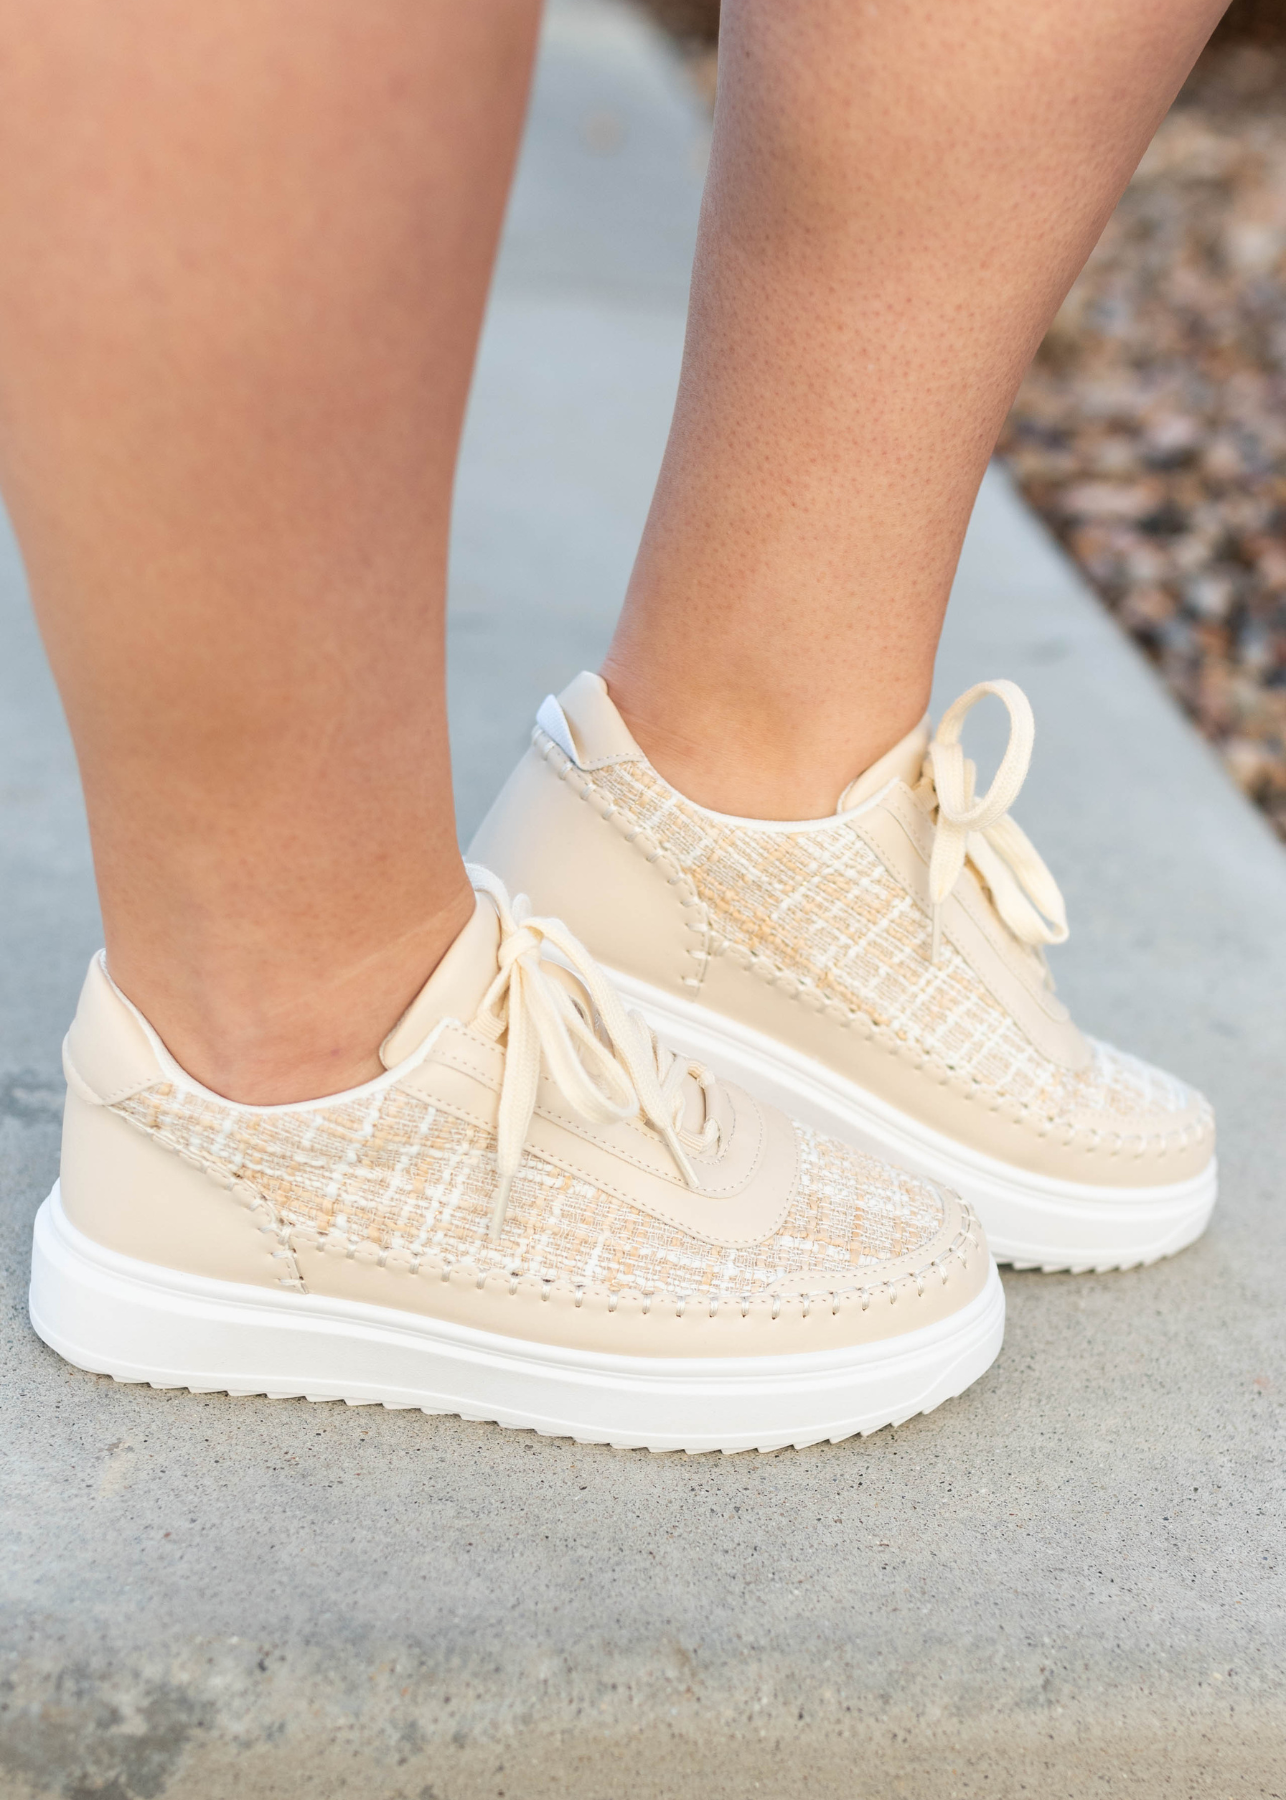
(586, 726)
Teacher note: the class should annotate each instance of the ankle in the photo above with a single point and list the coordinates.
(279, 1029)
(756, 758)
(750, 776)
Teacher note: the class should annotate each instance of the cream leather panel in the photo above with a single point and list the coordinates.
(599, 732)
(746, 1187)
(543, 839)
(108, 1048)
(136, 1197)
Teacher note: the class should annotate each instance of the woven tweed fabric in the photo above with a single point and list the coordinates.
(394, 1170)
(821, 905)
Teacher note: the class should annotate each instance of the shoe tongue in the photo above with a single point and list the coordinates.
(455, 988)
(902, 763)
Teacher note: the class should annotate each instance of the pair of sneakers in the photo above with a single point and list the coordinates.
(708, 1144)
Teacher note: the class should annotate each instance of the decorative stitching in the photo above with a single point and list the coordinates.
(347, 1248)
(339, 1244)
(244, 1192)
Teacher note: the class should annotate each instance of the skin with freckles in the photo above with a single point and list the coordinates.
(246, 256)
(241, 292)
(900, 195)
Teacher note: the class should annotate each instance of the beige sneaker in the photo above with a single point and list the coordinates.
(880, 974)
(537, 1215)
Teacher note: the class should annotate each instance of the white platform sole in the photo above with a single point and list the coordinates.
(138, 1322)
(1032, 1221)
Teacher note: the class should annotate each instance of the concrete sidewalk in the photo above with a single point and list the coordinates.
(1065, 1584)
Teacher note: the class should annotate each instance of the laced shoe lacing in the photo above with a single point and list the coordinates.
(605, 1060)
(1023, 891)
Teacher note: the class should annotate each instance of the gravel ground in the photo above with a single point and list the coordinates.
(1150, 432)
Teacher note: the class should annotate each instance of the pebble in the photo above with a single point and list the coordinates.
(1150, 432)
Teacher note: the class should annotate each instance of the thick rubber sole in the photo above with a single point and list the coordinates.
(137, 1322)
(1031, 1221)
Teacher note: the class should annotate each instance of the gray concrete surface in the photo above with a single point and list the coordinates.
(1065, 1584)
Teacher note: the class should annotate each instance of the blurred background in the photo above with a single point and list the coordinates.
(1150, 433)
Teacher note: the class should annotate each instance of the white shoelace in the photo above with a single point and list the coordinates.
(604, 1076)
(1024, 892)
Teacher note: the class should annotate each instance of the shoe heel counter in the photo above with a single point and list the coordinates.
(128, 1192)
(551, 834)
(132, 1195)
(107, 1050)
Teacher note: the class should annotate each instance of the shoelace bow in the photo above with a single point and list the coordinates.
(1024, 892)
(603, 1077)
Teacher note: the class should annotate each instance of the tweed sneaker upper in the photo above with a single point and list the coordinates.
(695, 1193)
(401, 1174)
(823, 907)
(901, 940)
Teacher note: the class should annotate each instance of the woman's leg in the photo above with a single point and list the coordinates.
(900, 194)
(246, 253)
